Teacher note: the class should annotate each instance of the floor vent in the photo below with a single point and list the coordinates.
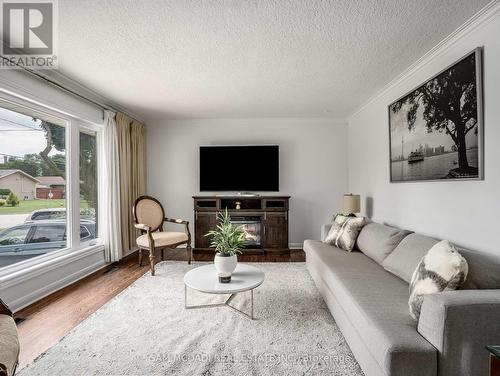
(112, 270)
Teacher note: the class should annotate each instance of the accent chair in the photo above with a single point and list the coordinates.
(149, 217)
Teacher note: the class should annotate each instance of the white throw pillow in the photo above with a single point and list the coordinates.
(344, 231)
(441, 269)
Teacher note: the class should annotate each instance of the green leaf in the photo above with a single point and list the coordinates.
(227, 238)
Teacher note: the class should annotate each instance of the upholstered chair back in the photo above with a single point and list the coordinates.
(148, 211)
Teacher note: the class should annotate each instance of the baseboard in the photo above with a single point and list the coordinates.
(290, 245)
(128, 255)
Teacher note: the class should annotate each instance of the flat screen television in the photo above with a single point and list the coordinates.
(252, 168)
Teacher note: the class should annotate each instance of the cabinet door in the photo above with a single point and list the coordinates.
(276, 230)
(204, 222)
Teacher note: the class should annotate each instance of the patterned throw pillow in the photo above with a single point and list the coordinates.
(344, 231)
(441, 269)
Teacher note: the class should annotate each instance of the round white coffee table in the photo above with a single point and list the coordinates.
(205, 279)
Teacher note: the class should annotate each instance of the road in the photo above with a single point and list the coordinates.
(9, 220)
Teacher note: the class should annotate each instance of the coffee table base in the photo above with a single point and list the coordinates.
(224, 304)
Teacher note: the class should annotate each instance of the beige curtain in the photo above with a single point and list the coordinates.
(132, 158)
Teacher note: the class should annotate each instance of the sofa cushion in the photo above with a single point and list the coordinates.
(403, 261)
(484, 270)
(9, 344)
(377, 241)
(377, 304)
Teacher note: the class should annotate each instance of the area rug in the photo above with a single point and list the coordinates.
(145, 330)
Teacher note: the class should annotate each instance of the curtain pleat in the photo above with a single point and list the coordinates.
(132, 156)
(111, 176)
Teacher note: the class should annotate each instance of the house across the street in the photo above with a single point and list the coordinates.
(20, 183)
(50, 187)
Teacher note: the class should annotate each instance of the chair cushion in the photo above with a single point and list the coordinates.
(149, 212)
(162, 239)
(9, 344)
(377, 241)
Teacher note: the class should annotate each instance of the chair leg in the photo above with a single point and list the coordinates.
(163, 254)
(140, 257)
(189, 250)
(152, 261)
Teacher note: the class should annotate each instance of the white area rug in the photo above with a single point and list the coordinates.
(145, 330)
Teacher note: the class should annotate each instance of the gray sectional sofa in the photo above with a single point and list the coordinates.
(367, 293)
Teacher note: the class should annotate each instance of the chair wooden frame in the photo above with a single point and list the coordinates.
(149, 231)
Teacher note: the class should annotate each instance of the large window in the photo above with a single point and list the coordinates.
(44, 208)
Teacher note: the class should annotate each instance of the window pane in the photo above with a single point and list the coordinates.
(46, 234)
(32, 184)
(14, 236)
(85, 233)
(88, 185)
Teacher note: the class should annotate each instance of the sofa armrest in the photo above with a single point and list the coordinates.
(459, 324)
(9, 346)
(324, 231)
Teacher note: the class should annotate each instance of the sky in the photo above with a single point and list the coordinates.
(20, 134)
(419, 135)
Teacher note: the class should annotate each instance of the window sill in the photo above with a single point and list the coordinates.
(25, 270)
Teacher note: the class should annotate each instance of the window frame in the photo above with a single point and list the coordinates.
(97, 131)
(73, 126)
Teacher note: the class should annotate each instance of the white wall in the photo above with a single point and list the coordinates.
(466, 212)
(313, 163)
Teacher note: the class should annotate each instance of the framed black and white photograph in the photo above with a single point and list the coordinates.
(436, 130)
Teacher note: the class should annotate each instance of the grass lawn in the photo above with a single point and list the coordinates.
(26, 207)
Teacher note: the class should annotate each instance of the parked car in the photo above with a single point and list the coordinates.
(44, 214)
(38, 237)
(57, 213)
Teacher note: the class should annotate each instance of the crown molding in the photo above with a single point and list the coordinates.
(86, 93)
(488, 13)
(332, 120)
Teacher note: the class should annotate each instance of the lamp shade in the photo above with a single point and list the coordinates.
(351, 204)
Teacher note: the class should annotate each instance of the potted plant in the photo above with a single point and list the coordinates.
(228, 240)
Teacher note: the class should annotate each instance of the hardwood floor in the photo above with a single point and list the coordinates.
(44, 323)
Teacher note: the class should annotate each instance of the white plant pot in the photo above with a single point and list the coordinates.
(225, 264)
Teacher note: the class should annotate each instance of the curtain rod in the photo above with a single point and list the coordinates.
(59, 86)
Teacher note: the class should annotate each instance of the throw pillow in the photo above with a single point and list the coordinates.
(441, 269)
(344, 231)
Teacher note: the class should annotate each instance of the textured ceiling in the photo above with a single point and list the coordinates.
(248, 58)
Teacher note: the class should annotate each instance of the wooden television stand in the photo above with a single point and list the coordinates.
(264, 217)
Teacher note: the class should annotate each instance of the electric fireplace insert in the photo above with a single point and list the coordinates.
(252, 227)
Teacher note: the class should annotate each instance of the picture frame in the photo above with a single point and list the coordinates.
(436, 130)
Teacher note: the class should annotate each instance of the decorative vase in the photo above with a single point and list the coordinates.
(225, 264)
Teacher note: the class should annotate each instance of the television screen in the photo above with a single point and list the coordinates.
(239, 168)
